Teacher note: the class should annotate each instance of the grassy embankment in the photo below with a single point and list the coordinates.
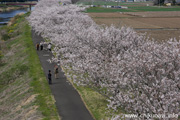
(4, 8)
(24, 91)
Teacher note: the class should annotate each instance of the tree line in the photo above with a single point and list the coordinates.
(161, 2)
(139, 75)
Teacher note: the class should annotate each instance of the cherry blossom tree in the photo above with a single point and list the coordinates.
(137, 74)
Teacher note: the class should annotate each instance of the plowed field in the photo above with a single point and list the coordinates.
(158, 25)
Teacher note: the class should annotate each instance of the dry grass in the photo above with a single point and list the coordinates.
(16, 100)
(16, 97)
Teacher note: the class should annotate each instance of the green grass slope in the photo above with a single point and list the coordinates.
(24, 91)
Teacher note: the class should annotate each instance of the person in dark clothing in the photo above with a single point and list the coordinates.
(37, 46)
(49, 77)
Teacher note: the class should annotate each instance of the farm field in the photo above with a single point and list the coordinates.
(131, 7)
(157, 25)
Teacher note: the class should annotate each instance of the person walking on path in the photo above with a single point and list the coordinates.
(37, 46)
(56, 71)
(41, 46)
(49, 46)
(49, 77)
(66, 97)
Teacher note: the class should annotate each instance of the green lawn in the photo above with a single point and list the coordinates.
(154, 8)
(108, 3)
(131, 9)
(105, 10)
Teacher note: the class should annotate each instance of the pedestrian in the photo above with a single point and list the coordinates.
(49, 77)
(41, 46)
(49, 46)
(56, 71)
(37, 46)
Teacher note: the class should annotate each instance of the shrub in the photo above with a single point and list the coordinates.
(11, 31)
(5, 37)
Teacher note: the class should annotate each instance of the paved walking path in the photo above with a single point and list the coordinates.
(68, 101)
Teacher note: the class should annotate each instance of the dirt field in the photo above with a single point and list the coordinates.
(162, 35)
(137, 14)
(155, 14)
(141, 22)
(109, 15)
(144, 20)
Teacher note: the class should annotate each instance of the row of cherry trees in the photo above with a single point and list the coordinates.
(139, 75)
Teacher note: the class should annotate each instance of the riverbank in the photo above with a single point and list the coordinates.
(5, 8)
(24, 91)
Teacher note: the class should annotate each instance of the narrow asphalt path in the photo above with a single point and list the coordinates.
(68, 102)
